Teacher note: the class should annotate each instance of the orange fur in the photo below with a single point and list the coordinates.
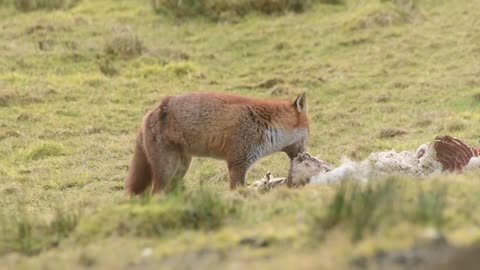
(236, 129)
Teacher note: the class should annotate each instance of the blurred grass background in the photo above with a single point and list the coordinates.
(77, 76)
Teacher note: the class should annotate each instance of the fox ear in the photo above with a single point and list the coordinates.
(301, 103)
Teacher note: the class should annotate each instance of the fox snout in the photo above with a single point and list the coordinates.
(295, 149)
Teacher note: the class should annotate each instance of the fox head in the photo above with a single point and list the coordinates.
(300, 129)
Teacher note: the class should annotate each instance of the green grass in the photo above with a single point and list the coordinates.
(22, 234)
(201, 210)
(76, 80)
(368, 208)
(44, 150)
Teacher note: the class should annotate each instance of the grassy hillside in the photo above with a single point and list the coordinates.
(76, 77)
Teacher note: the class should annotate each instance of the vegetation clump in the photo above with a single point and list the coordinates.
(200, 210)
(32, 5)
(21, 233)
(44, 150)
(216, 9)
(124, 43)
(366, 208)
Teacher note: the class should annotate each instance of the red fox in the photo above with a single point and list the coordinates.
(236, 129)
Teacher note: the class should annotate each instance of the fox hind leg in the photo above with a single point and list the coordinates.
(175, 182)
(165, 163)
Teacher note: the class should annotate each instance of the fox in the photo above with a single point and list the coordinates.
(233, 128)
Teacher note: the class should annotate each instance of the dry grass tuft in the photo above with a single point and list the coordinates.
(124, 43)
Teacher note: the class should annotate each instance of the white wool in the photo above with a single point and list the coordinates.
(267, 183)
(379, 164)
(428, 163)
(304, 167)
(421, 150)
(375, 166)
(310, 170)
(348, 170)
(473, 164)
(392, 162)
(261, 185)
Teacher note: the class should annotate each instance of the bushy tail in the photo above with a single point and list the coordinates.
(140, 173)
